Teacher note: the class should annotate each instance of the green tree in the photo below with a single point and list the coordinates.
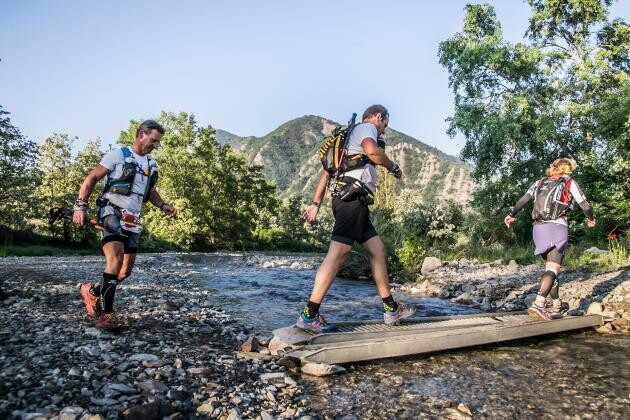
(84, 161)
(18, 176)
(564, 92)
(55, 189)
(218, 195)
(290, 218)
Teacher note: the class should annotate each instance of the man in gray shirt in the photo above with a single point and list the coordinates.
(352, 223)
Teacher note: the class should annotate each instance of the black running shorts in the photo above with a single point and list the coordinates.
(352, 222)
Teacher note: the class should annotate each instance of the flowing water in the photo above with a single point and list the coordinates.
(576, 375)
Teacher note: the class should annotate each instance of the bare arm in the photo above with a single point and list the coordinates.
(86, 189)
(91, 180)
(378, 156)
(156, 199)
(311, 212)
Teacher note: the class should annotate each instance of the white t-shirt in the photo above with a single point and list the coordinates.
(113, 161)
(366, 174)
(576, 194)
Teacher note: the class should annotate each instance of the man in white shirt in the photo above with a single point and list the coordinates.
(352, 222)
(131, 178)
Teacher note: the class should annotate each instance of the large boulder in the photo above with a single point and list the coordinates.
(430, 264)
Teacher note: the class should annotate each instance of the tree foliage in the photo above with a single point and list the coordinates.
(562, 92)
(18, 175)
(218, 195)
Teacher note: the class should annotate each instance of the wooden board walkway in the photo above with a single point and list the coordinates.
(356, 341)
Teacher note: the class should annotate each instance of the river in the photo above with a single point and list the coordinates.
(581, 375)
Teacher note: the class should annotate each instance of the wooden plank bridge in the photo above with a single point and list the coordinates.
(356, 341)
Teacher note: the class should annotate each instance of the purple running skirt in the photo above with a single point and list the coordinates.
(549, 235)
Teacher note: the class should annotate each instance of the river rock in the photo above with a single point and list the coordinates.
(596, 251)
(621, 324)
(250, 345)
(429, 289)
(595, 308)
(604, 329)
(143, 356)
(273, 376)
(153, 386)
(149, 411)
(321, 369)
(430, 264)
(265, 415)
(468, 288)
(234, 415)
(513, 266)
(205, 409)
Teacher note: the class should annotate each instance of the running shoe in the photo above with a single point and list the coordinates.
(108, 322)
(539, 312)
(558, 311)
(91, 301)
(317, 324)
(403, 311)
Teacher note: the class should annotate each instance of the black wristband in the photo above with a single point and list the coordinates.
(162, 206)
(315, 203)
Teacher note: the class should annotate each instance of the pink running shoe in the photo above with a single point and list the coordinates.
(539, 312)
(109, 322)
(91, 301)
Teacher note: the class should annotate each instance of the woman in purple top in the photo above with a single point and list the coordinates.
(553, 198)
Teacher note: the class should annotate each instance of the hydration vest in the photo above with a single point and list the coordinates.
(552, 198)
(123, 185)
(333, 154)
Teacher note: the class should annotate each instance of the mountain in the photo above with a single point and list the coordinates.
(224, 137)
(289, 155)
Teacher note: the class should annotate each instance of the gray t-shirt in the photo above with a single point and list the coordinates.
(366, 174)
(113, 161)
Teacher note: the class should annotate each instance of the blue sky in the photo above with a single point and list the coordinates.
(86, 68)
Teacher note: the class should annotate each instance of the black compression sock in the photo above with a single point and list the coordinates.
(389, 304)
(108, 290)
(311, 309)
(95, 290)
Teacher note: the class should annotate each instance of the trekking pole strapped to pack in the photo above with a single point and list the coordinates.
(62, 213)
(333, 152)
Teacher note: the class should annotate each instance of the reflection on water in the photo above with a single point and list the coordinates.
(581, 375)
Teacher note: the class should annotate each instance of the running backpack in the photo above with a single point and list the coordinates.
(333, 153)
(552, 198)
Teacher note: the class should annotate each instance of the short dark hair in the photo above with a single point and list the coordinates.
(375, 109)
(148, 125)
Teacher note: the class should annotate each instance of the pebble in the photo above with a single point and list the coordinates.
(165, 364)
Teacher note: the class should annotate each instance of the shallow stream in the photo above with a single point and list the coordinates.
(581, 375)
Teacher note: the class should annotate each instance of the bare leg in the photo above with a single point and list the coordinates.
(114, 252)
(127, 266)
(337, 253)
(375, 249)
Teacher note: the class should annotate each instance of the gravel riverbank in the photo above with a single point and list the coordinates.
(181, 355)
(176, 359)
(508, 287)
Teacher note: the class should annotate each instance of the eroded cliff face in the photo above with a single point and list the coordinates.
(289, 155)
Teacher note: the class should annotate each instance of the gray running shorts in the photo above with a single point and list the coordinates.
(110, 217)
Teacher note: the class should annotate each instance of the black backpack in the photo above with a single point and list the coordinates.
(552, 198)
